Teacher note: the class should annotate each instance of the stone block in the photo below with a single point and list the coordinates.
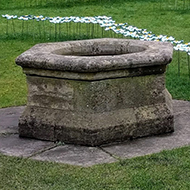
(93, 92)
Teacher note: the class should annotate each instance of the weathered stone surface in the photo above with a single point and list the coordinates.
(149, 145)
(96, 55)
(97, 116)
(93, 92)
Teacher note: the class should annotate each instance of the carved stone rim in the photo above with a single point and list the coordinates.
(94, 55)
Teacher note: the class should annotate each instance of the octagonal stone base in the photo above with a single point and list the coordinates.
(95, 107)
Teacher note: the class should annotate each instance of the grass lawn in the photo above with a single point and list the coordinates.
(166, 170)
(143, 14)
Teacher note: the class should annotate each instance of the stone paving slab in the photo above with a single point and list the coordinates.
(9, 119)
(76, 155)
(12, 145)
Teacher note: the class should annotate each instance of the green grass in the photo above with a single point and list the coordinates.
(143, 14)
(166, 170)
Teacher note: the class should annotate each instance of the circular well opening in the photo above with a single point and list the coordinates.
(99, 48)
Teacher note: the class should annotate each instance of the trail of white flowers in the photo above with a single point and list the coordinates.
(109, 24)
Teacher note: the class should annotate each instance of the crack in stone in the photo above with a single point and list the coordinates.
(42, 151)
(112, 155)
